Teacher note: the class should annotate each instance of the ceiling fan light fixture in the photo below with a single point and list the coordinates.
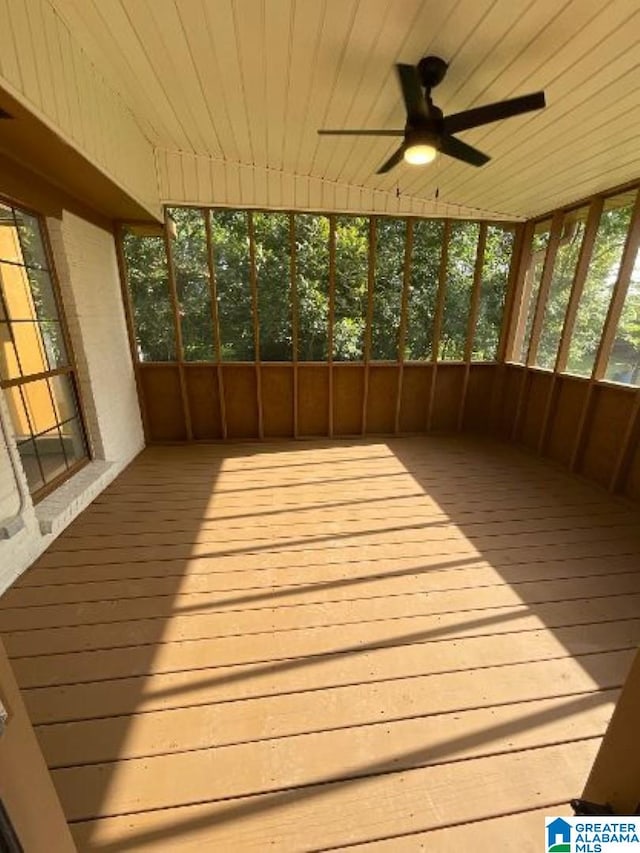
(420, 154)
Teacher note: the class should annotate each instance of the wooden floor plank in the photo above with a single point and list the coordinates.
(209, 621)
(159, 656)
(344, 529)
(352, 592)
(515, 833)
(368, 601)
(317, 520)
(189, 688)
(337, 581)
(451, 539)
(113, 512)
(356, 810)
(196, 728)
(177, 779)
(449, 555)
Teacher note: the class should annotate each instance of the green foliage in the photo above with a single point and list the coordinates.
(312, 283)
(351, 287)
(624, 362)
(463, 247)
(598, 287)
(532, 283)
(493, 289)
(423, 287)
(560, 288)
(146, 262)
(387, 291)
(147, 269)
(230, 236)
(271, 232)
(193, 285)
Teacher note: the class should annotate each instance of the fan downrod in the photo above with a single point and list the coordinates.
(432, 70)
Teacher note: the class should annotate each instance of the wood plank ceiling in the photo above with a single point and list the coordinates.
(250, 81)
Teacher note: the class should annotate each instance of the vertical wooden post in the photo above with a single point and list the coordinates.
(521, 292)
(513, 295)
(402, 332)
(577, 286)
(437, 319)
(582, 268)
(616, 304)
(620, 289)
(253, 279)
(538, 316)
(371, 271)
(545, 286)
(473, 318)
(173, 293)
(293, 273)
(332, 309)
(522, 242)
(615, 775)
(215, 320)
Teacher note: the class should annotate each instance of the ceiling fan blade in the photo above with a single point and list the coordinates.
(361, 132)
(493, 112)
(412, 94)
(395, 158)
(461, 151)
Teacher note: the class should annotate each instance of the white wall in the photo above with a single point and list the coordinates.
(86, 263)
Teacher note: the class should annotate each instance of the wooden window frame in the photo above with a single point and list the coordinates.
(70, 369)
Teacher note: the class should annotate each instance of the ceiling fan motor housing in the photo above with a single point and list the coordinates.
(432, 70)
(422, 136)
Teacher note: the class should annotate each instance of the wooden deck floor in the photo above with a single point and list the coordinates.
(393, 645)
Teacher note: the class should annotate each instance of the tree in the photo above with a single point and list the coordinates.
(598, 288)
(230, 252)
(193, 286)
(146, 262)
(351, 287)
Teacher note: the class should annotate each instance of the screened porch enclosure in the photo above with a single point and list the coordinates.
(269, 324)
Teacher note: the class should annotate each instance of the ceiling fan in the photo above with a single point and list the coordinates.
(427, 131)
